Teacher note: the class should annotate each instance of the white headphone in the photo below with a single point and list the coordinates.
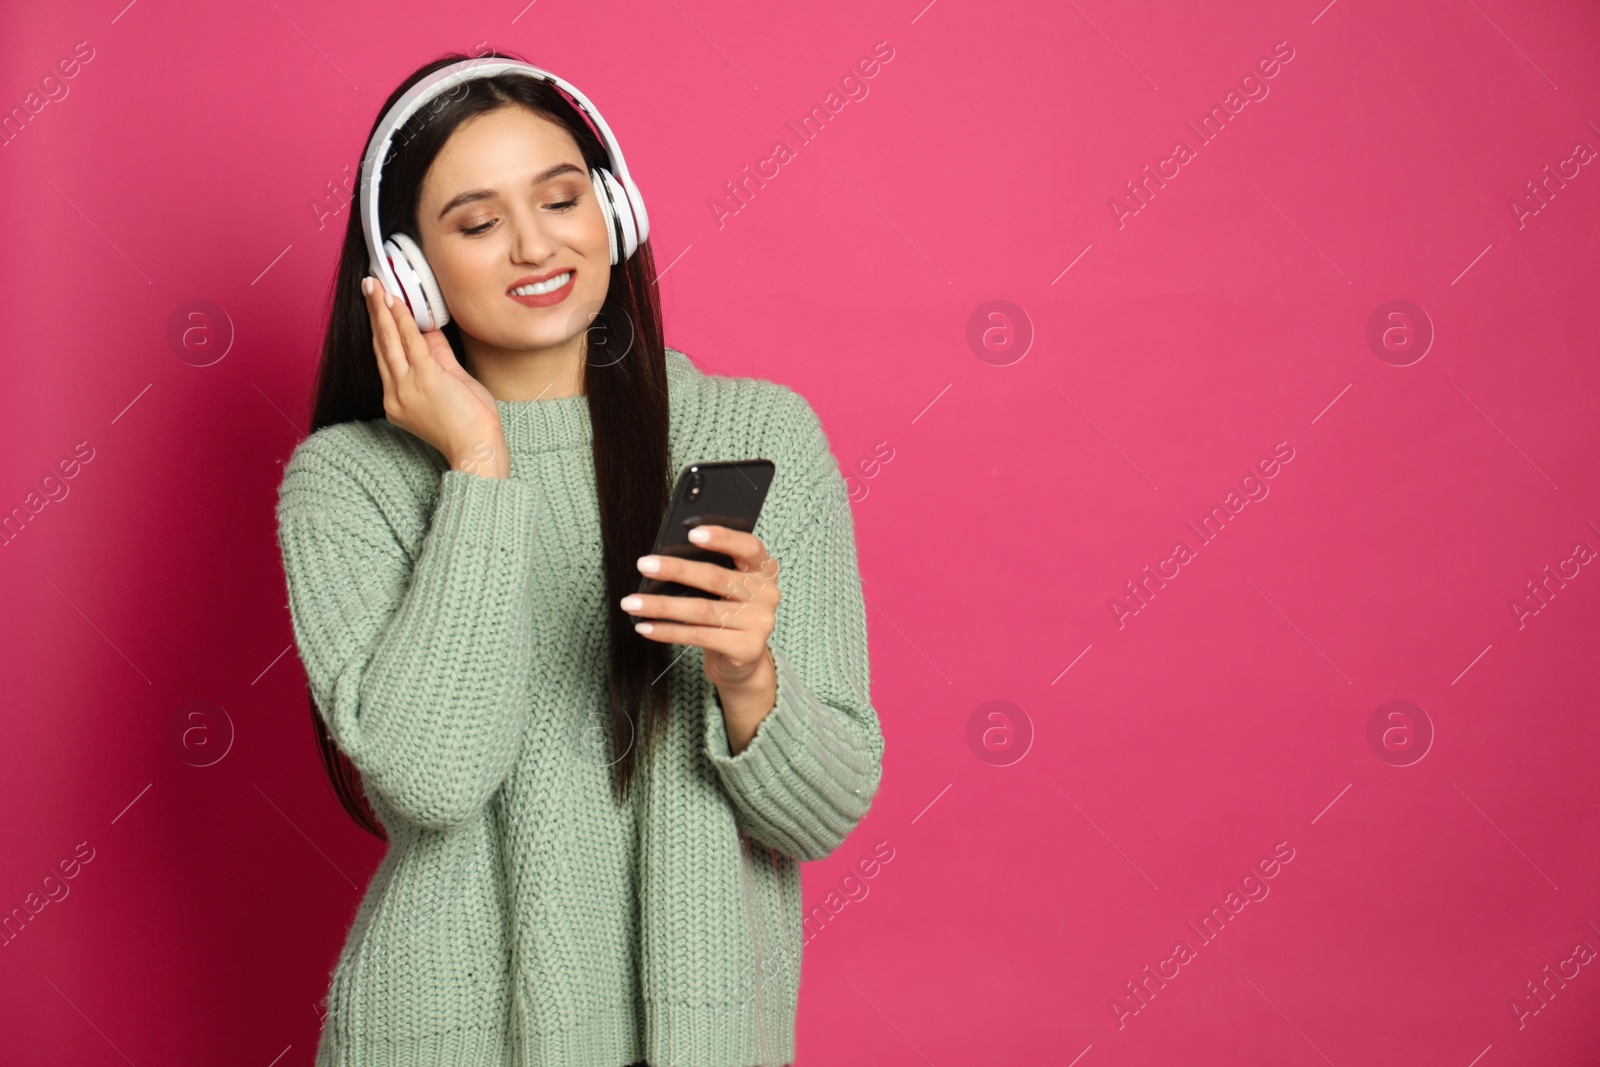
(397, 259)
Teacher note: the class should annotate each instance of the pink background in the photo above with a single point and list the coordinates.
(1041, 857)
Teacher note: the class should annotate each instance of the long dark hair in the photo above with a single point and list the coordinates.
(627, 399)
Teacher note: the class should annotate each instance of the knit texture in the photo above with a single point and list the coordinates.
(453, 632)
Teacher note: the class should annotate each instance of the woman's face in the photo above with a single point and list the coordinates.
(507, 199)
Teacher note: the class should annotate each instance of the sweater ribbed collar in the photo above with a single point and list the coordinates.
(562, 422)
(549, 425)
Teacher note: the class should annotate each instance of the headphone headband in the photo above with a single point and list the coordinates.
(444, 80)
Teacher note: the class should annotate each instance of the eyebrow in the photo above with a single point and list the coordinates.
(483, 194)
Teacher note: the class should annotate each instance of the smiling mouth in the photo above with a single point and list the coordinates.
(543, 294)
(540, 288)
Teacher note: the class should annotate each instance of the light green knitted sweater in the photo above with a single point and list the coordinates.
(453, 633)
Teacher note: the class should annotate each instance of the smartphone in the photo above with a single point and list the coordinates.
(720, 494)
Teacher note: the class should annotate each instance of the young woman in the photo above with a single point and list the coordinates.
(595, 802)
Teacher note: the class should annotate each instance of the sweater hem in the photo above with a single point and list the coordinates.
(681, 1034)
(468, 1047)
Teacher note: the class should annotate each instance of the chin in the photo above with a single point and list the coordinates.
(548, 338)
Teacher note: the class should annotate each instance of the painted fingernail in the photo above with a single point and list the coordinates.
(366, 285)
(649, 564)
(643, 627)
(699, 535)
(388, 299)
(632, 603)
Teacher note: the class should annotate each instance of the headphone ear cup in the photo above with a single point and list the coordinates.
(623, 210)
(410, 285)
(421, 289)
(641, 218)
(608, 210)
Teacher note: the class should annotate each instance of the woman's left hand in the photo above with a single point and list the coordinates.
(733, 630)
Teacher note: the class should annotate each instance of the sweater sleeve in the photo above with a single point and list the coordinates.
(809, 774)
(419, 667)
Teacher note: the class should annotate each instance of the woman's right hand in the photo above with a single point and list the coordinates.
(429, 394)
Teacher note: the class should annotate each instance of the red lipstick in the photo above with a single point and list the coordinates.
(544, 299)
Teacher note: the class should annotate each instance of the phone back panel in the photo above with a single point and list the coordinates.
(723, 494)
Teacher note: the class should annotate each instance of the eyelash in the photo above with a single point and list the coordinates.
(563, 207)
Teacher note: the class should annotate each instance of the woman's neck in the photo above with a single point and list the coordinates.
(543, 374)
